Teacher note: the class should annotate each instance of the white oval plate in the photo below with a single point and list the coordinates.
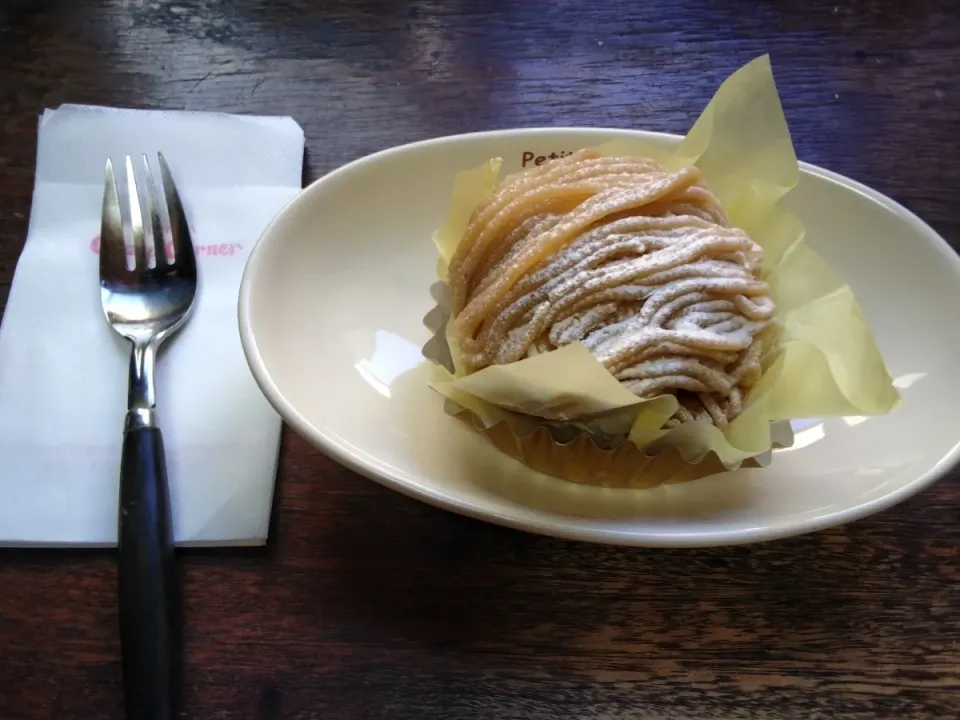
(330, 318)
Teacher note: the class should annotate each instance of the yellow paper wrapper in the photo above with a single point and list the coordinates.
(591, 449)
(824, 363)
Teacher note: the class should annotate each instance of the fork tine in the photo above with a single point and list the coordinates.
(179, 229)
(113, 255)
(136, 219)
(153, 208)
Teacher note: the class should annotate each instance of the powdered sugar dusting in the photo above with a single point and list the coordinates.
(637, 263)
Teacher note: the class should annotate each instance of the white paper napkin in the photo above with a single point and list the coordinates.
(63, 370)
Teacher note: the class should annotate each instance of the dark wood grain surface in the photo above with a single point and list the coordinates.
(368, 605)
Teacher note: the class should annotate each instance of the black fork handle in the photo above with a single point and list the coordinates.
(147, 583)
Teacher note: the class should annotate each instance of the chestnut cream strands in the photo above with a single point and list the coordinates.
(637, 263)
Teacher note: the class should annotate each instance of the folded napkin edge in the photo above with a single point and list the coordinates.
(49, 113)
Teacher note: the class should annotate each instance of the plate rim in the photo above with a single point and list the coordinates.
(555, 524)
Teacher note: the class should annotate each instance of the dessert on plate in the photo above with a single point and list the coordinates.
(637, 263)
(616, 318)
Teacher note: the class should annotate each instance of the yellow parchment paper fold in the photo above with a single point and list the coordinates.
(470, 188)
(824, 361)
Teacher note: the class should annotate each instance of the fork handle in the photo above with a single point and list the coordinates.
(147, 585)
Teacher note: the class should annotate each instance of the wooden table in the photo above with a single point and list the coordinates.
(365, 604)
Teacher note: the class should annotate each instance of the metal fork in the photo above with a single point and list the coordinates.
(146, 306)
